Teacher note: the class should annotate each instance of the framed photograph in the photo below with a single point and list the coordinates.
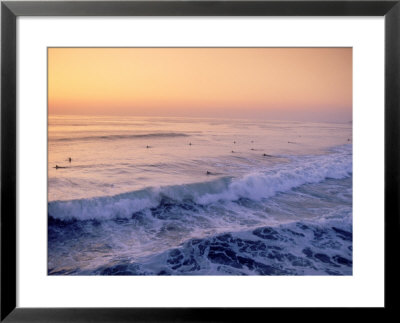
(177, 166)
(198, 161)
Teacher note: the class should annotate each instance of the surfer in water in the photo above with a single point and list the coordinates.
(57, 167)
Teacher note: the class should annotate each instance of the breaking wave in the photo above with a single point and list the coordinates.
(254, 186)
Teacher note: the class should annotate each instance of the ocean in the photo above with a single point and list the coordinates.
(198, 196)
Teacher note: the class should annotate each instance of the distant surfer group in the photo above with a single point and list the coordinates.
(69, 159)
(190, 144)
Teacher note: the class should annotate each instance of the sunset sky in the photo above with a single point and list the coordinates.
(308, 84)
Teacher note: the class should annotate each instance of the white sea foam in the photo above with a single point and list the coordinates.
(254, 186)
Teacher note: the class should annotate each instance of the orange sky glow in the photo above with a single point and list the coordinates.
(309, 84)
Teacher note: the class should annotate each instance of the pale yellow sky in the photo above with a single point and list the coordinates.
(279, 83)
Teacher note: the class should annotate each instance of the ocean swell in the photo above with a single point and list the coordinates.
(128, 136)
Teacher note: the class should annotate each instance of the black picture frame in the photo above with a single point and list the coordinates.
(10, 10)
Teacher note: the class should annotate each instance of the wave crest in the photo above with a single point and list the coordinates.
(254, 186)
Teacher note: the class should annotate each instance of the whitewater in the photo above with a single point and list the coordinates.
(197, 196)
